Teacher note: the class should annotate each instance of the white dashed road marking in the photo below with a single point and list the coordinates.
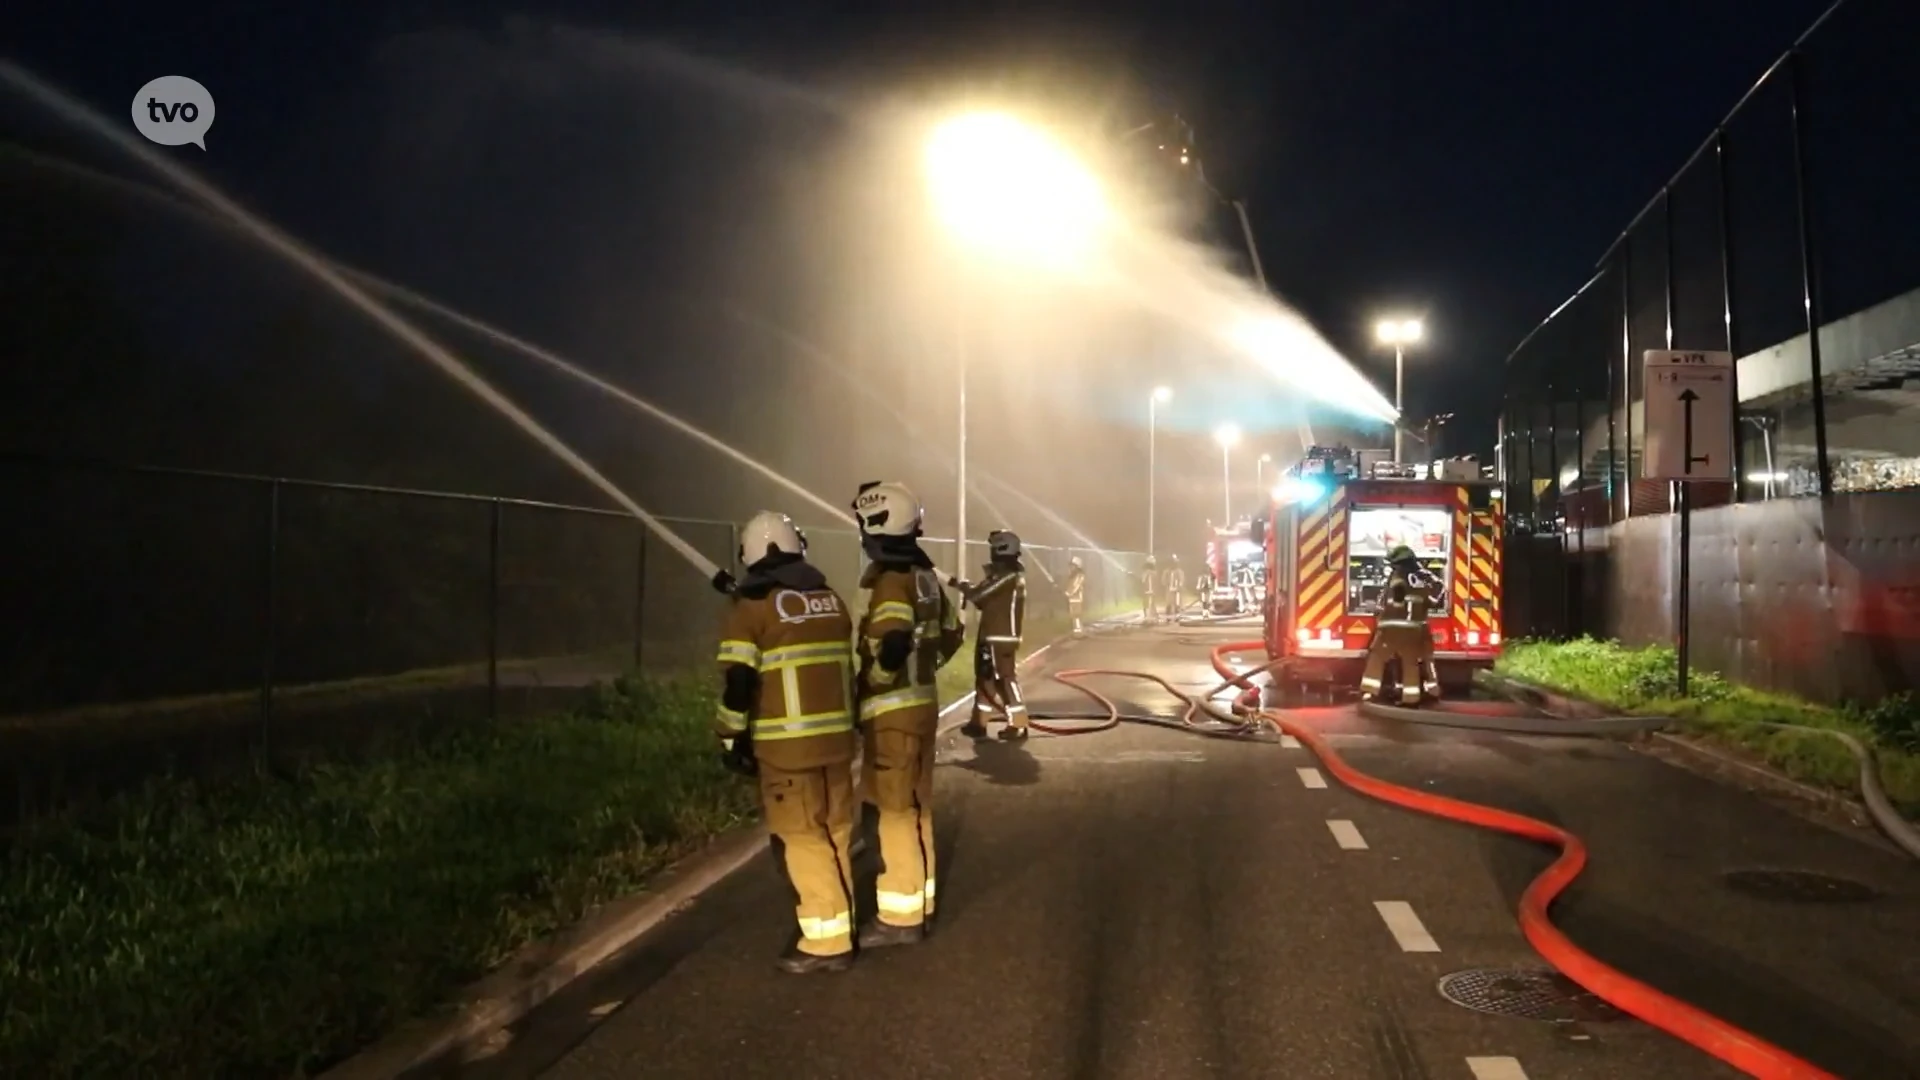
(1311, 777)
(1406, 927)
(1289, 742)
(1496, 1068)
(1347, 835)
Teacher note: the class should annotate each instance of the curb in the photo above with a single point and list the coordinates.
(543, 968)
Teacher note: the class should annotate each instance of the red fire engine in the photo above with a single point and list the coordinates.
(1334, 518)
(1237, 569)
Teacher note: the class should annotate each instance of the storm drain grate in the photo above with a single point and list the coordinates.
(1526, 995)
(1799, 886)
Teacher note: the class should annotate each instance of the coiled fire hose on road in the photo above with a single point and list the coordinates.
(1735, 1046)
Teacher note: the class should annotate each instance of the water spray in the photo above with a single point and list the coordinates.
(493, 333)
(837, 367)
(80, 115)
(529, 349)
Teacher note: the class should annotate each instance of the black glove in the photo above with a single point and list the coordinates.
(723, 582)
(739, 757)
(962, 585)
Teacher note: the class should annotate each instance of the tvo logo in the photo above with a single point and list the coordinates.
(173, 110)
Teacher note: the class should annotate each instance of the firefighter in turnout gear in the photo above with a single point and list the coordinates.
(1149, 586)
(1076, 590)
(1402, 633)
(1001, 597)
(910, 630)
(786, 653)
(1176, 588)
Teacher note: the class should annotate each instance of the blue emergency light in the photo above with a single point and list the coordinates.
(1296, 489)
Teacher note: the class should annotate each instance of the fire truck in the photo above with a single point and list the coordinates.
(1331, 522)
(1237, 568)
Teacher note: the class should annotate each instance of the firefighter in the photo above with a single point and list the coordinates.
(910, 630)
(786, 654)
(1076, 590)
(1176, 587)
(1001, 598)
(1402, 633)
(1149, 587)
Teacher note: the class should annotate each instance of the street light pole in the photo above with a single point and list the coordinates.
(1226, 484)
(1399, 389)
(1260, 471)
(1226, 435)
(1160, 394)
(1399, 333)
(960, 533)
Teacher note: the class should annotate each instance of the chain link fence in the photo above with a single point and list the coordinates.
(200, 622)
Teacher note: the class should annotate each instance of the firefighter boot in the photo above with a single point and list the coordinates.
(973, 728)
(880, 935)
(799, 963)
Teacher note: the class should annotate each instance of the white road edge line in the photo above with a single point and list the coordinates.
(1496, 1068)
(1406, 926)
(1289, 742)
(1347, 835)
(1311, 777)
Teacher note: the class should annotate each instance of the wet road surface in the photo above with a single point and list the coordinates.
(1144, 904)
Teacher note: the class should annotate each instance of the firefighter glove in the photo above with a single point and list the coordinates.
(894, 650)
(739, 757)
(723, 582)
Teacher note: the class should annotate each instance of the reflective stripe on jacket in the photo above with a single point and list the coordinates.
(910, 600)
(801, 643)
(1001, 598)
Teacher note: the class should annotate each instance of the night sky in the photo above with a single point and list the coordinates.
(1465, 162)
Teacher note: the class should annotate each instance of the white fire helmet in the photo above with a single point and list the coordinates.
(1075, 562)
(887, 508)
(1003, 544)
(769, 532)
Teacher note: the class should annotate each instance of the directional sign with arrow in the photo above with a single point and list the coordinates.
(1689, 416)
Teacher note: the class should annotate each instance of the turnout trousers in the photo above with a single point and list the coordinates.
(1412, 645)
(1074, 608)
(996, 684)
(810, 813)
(898, 770)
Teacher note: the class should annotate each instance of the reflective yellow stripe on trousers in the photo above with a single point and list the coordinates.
(814, 929)
(895, 700)
(899, 903)
(795, 722)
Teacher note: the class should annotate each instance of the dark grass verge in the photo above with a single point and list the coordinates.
(1645, 681)
(272, 927)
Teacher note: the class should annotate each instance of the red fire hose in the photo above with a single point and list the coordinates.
(1740, 1049)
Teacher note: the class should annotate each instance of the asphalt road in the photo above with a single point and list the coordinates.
(1147, 904)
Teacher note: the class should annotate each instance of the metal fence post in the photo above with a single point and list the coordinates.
(270, 617)
(640, 601)
(494, 512)
(1809, 276)
(1720, 168)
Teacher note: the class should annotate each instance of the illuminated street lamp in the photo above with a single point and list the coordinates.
(1154, 401)
(1227, 436)
(1004, 187)
(1399, 333)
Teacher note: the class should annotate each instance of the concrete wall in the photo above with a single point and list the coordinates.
(1787, 594)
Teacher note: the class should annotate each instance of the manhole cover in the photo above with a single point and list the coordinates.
(1528, 995)
(1799, 886)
